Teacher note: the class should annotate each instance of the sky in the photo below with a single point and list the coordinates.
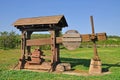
(106, 14)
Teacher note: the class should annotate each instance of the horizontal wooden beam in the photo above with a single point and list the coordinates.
(59, 40)
(37, 42)
(42, 41)
(101, 36)
(88, 37)
(71, 35)
(47, 41)
(85, 37)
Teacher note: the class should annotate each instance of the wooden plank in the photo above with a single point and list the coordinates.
(71, 35)
(43, 66)
(71, 45)
(85, 37)
(43, 41)
(37, 42)
(71, 39)
(58, 40)
(101, 36)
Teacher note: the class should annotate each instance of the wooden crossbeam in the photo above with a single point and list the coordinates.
(47, 41)
(43, 41)
(37, 42)
(88, 37)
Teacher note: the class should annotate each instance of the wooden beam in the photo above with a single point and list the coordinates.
(58, 40)
(53, 50)
(43, 41)
(88, 37)
(37, 42)
(85, 37)
(101, 36)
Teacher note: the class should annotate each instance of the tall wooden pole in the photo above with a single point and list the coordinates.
(95, 64)
(94, 38)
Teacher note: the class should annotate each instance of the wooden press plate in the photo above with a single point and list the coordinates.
(71, 39)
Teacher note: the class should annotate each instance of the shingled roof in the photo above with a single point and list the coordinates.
(59, 19)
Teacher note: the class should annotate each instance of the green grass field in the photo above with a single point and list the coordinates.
(79, 59)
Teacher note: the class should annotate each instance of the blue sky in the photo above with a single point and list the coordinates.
(106, 13)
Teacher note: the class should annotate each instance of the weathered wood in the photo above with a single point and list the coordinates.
(101, 36)
(57, 46)
(76, 39)
(53, 44)
(95, 67)
(28, 47)
(37, 42)
(92, 24)
(85, 37)
(43, 66)
(43, 41)
(46, 20)
(58, 40)
(35, 29)
(23, 43)
(23, 49)
(71, 35)
(71, 39)
(54, 24)
(96, 56)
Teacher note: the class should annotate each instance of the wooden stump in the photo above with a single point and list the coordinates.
(95, 67)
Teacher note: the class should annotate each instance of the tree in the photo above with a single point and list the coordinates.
(8, 39)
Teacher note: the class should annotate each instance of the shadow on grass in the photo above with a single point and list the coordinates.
(74, 62)
(86, 62)
(108, 66)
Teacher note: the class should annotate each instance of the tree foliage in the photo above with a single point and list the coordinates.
(9, 40)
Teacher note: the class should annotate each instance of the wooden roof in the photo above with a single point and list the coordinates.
(45, 20)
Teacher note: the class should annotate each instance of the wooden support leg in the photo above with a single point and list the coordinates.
(95, 65)
(57, 53)
(29, 47)
(23, 50)
(55, 50)
(53, 63)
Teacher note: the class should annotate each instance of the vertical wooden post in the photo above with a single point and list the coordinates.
(57, 48)
(23, 49)
(96, 57)
(95, 64)
(92, 24)
(53, 41)
(28, 47)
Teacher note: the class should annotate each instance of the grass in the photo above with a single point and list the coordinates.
(79, 59)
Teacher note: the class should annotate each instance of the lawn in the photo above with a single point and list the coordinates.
(79, 59)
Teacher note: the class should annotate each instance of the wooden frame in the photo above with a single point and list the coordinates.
(27, 26)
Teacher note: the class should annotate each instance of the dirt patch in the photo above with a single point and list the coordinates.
(72, 72)
(82, 73)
